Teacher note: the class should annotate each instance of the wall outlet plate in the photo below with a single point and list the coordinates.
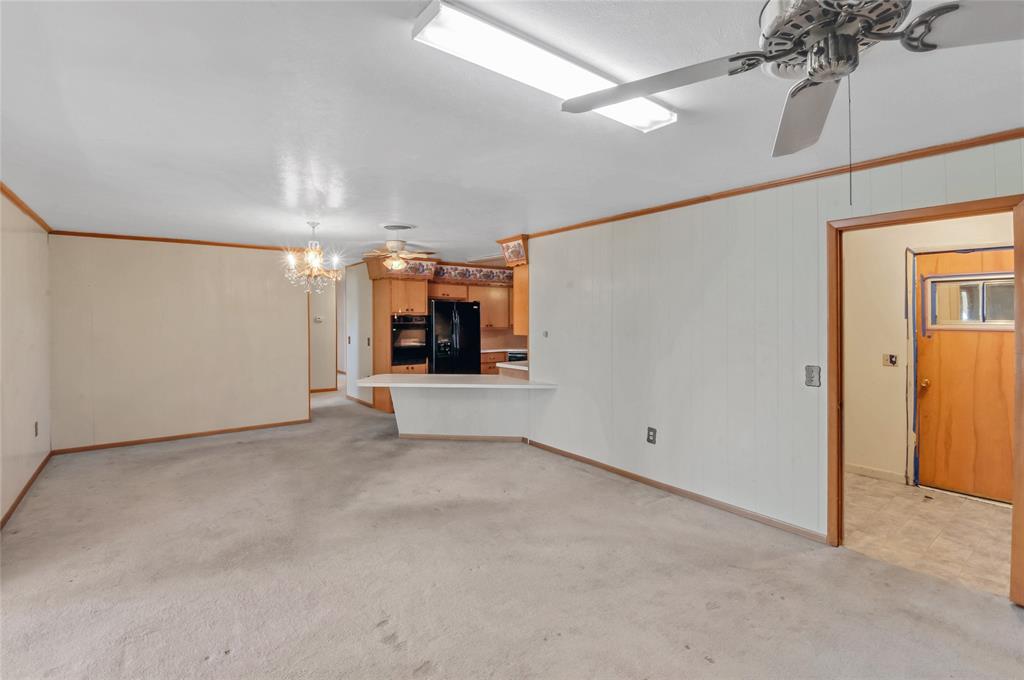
(652, 435)
(890, 360)
(812, 376)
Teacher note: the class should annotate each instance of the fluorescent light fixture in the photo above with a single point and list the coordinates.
(468, 37)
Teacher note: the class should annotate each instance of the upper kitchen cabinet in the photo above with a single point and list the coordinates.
(521, 300)
(408, 296)
(447, 291)
(494, 305)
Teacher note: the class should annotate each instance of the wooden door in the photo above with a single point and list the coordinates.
(964, 382)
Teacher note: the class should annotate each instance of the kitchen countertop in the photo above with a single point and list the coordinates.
(451, 381)
(514, 365)
(519, 349)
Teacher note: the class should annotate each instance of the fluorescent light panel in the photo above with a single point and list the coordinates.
(463, 35)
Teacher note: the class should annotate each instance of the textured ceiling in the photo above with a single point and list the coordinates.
(240, 121)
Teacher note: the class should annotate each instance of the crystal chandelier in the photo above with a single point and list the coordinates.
(305, 268)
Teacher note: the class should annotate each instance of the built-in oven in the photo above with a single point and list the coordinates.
(408, 340)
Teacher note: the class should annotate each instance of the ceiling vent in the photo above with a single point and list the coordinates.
(399, 227)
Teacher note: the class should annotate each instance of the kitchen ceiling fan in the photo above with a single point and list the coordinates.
(396, 255)
(819, 42)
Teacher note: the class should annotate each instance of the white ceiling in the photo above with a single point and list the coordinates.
(240, 121)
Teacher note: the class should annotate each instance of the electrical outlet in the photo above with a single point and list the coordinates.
(890, 360)
(652, 435)
(812, 376)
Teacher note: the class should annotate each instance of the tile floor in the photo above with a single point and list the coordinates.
(954, 537)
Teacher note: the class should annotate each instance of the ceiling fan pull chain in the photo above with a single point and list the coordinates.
(849, 130)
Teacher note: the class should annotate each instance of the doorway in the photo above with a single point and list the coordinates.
(901, 473)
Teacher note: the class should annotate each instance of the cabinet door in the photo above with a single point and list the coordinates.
(494, 307)
(447, 291)
(521, 300)
(408, 296)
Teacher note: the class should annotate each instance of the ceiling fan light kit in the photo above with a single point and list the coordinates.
(463, 34)
(820, 42)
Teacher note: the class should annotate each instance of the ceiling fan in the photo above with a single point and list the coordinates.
(819, 42)
(396, 256)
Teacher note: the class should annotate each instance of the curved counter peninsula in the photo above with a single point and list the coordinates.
(452, 406)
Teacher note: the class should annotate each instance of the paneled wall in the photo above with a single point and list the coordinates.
(24, 351)
(359, 330)
(323, 334)
(698, 321)
(162, 339)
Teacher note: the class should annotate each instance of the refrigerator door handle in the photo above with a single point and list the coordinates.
(456, 330)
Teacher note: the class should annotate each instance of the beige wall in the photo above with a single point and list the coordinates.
(160, 339)
(875, 400)
(24, 350)
(322, 340)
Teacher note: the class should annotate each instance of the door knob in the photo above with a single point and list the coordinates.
(925, 383)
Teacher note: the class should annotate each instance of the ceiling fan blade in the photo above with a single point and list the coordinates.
(416, 254)
(968, 22)
(670, 80)
(803, 117)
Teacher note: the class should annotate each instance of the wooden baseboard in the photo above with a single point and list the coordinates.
(153, 440)
(358, 401)
(28, 485)
(463, 437)
(757, 517)
(319, 390)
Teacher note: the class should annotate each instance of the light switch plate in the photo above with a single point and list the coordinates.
(652, 435)
(890, 360)
(812, 376)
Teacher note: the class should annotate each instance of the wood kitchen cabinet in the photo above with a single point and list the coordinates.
(494, 305)
(447, 291)
(521, 300)
(409, 368)
(408, 296)
(489, 361)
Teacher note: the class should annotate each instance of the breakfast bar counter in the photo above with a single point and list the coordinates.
(454, 406)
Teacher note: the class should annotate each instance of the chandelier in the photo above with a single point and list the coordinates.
(305, 268)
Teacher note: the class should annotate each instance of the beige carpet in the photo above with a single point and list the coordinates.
(335, 550)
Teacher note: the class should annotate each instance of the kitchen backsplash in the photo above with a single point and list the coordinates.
(501, 339)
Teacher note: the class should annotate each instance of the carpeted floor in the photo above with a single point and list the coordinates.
(336, 550)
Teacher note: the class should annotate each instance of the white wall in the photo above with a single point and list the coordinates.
(359, 327)
(161, 339)
(875, 404)
(322, 340)
(699, 321)
(24, 350)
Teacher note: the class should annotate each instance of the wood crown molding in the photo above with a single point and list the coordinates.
(23, 207)
(902, 157)
(161, 239)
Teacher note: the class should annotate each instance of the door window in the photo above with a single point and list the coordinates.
(976, 302)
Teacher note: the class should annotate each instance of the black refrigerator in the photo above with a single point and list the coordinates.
(454, 335)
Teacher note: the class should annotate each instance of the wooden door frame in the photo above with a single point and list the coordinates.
(834, 263)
